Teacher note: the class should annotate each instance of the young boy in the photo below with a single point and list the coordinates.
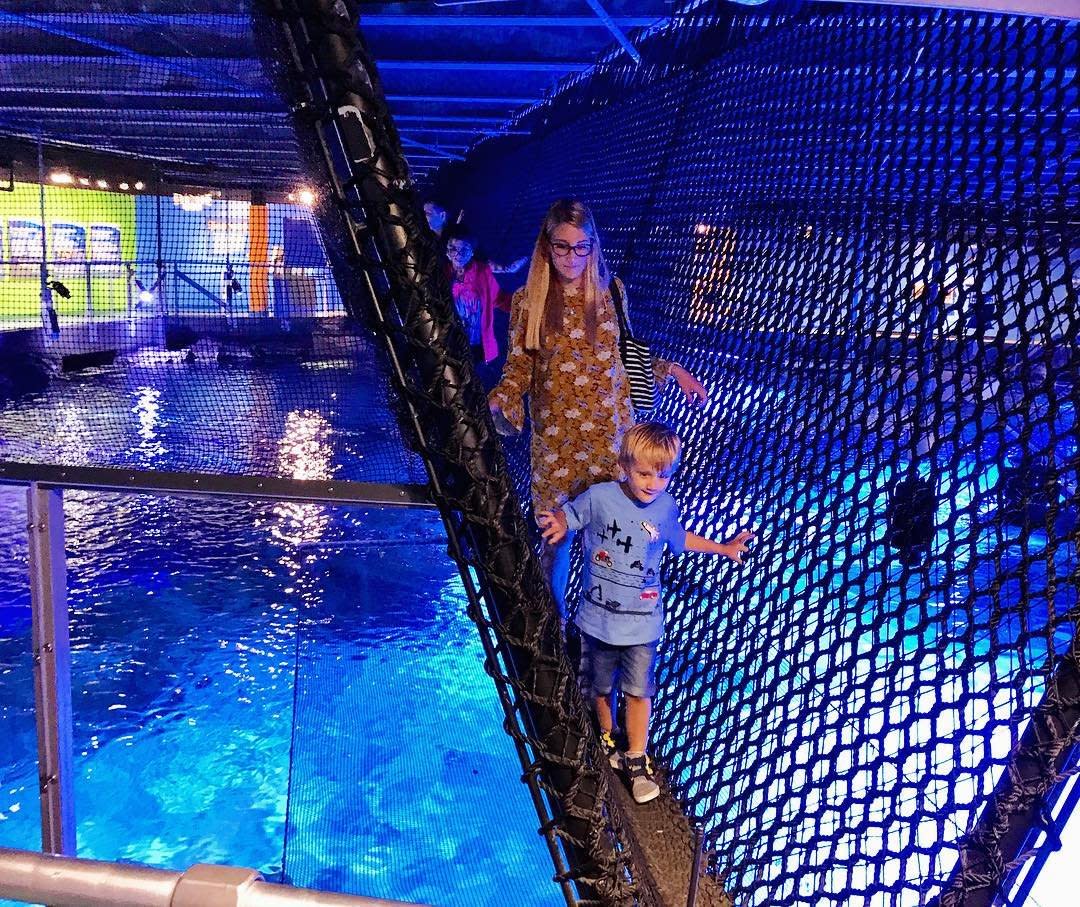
(626, 526)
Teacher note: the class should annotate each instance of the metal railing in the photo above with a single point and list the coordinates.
(69, 882)
(56, 877)
(140, 289)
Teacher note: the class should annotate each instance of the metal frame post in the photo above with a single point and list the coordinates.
(52, 666)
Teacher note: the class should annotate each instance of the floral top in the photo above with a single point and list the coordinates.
(579, 400)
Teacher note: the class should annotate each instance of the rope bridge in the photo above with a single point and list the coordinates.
(858, 226)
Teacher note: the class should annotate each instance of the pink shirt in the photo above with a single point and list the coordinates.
(478, 287)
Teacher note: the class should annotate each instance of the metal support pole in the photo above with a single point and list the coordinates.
(48, 310)
(93, 331)
(89, 291)
(52, 666)
(695, 867)
(129, 269)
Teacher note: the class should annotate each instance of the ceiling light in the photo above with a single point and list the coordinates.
(140, 185)
(307, 197)
(101, 184)
(192, 202)
(83, 181)
(124, 186)
(61, 177)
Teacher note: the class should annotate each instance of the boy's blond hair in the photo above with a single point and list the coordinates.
(652, 444)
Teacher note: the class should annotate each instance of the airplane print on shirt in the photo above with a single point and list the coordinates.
(641, 585)
(624, 541)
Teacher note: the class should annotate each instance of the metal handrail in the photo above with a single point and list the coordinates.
(159, 481)
(57, 877)
(36, 878)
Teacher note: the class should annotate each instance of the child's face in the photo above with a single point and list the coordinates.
(645, 481)
(460, 253)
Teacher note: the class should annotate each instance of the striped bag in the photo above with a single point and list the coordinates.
(635, 355)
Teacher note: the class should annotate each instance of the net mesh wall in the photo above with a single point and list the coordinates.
(858, 227)
(165, 299)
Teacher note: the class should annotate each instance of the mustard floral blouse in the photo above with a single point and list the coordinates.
(579, 399)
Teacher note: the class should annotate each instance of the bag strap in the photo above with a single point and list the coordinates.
(620, 311)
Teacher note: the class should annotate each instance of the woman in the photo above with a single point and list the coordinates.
(564, 353)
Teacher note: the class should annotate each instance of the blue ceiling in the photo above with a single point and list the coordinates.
(177, 84)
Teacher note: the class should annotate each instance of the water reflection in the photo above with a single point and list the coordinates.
(72, 440)
(147, 410)
(304, 452)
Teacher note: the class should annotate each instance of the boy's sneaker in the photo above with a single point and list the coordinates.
(614, 757)
(642, 783)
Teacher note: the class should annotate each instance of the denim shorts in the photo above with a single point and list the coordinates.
(601, 661)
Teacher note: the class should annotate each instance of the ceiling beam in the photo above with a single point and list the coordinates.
(197, 20)
(502, 22)
(439, 118)
(456, 99)
(145, 125)
(209, 69)
(136, 113)
(242, 24)
(438, 152)
(466, 130)
(616, 30)
(484, 66)
(124, 92)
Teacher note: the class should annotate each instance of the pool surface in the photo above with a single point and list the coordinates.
(290, 687)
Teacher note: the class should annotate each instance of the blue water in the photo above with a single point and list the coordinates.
(289, 687)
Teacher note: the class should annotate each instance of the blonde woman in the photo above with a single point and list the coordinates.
(564, 355)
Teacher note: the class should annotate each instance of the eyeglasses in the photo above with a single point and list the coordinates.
(562, 249)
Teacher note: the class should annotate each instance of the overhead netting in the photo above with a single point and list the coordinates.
(860, 227)
(165, 298)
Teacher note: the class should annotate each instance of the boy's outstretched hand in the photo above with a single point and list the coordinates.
(552, 526)
(735, 547)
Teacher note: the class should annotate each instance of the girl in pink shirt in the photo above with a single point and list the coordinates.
(476, 294)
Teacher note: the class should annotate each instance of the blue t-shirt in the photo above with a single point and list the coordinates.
(623, 541)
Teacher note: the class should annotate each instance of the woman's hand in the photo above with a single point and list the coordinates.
(502, 424)
(552, 525)
(693, 389)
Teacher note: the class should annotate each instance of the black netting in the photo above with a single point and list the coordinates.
(858, 226)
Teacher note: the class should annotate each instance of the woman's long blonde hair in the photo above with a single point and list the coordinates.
(543, 298)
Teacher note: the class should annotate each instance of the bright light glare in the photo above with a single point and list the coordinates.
(61, 178)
